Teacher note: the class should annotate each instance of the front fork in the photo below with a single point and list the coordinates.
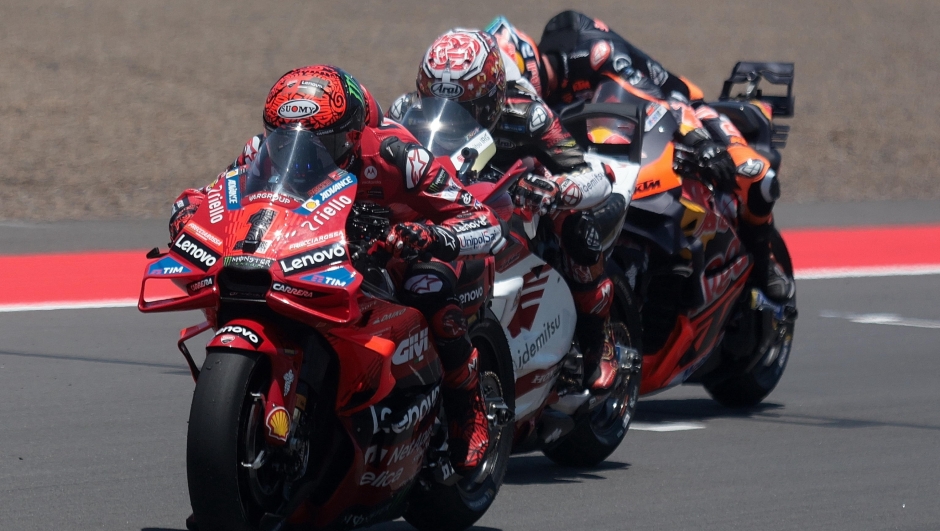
(281, 403)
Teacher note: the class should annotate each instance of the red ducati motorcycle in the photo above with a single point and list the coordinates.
(318, 404)
(704, 320)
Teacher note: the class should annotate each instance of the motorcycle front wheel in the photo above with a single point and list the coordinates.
(458, 506)
(599, 432)
(226, 425)
(748, 385)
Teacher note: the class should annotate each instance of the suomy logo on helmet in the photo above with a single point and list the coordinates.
(294, 109)
(443, 89)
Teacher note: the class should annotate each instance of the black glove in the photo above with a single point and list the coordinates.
(417, 240)
(181, 217)
(717, 163)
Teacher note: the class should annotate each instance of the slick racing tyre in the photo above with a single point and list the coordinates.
(598, 433)
(225, 430)
(458, 506)
(750, 382)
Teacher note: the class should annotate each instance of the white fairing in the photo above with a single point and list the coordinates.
(626, 173)
(543, 343)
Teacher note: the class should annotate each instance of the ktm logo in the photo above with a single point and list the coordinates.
(532, 289)
(648, 185)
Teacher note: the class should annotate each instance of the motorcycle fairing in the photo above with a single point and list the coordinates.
(690, 343)
(286, 360)
(537, 311)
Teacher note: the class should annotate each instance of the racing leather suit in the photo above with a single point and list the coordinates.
(583, 52)
(396, 172)
(528, 128)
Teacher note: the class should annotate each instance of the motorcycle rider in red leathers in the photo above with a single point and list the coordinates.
(577, 53)
(394, 171)
(467, 66)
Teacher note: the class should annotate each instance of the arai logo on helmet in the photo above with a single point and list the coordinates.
(294, 109)
(443, 89)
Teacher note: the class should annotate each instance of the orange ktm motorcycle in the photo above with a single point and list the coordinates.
(704, 320)
(318, 405)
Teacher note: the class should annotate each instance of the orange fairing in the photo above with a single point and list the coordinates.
(657, 176)
(695, 93)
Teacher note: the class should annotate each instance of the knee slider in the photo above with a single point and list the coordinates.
(762, 196)
(581, 238)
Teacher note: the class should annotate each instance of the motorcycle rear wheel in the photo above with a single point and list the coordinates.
(600, 432)
(225, 430)
(748, 387)
(458, 506)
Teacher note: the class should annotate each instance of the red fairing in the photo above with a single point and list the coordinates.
(286, 360)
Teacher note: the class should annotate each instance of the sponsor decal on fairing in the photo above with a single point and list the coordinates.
(307, 260)
(203, 234)
(291, 290)
(243, 332)
(412, 347)
(168, 266)
(195, 251)
(247, 262)
(233, 193)
(278, 423)
(337, 278)
(385, 420)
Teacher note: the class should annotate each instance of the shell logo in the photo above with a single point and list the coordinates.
(278, 423)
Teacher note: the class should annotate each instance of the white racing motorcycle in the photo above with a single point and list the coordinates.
(532, 306)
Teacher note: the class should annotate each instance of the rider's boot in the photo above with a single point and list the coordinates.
(468, 428)
(768, 271)
(594, 334)
(600, 360)
(191, 523)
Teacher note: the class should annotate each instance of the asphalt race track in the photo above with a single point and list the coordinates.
(94, 405)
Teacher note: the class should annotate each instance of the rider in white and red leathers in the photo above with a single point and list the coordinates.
(467, 66)
(396, 172)
(577, 53)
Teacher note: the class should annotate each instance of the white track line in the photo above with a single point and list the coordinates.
(882, 319)
(666, 426)
(68, 305)
(860, 272)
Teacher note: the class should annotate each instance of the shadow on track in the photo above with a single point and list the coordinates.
(703, 409)
(536, 469)
(695, 409)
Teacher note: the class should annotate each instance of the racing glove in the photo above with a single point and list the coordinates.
(416, 240)
(536, 193)
(184, 209)
(717, 163)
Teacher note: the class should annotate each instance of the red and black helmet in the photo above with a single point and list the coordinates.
(324, 100)
(519, 48)
(466, 66)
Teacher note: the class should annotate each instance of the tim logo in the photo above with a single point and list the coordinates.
(533, 285)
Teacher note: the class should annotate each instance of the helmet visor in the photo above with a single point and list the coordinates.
(443, 126)
(291, 161)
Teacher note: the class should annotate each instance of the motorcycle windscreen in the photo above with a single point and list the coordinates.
(291, 163)
(446, 128)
